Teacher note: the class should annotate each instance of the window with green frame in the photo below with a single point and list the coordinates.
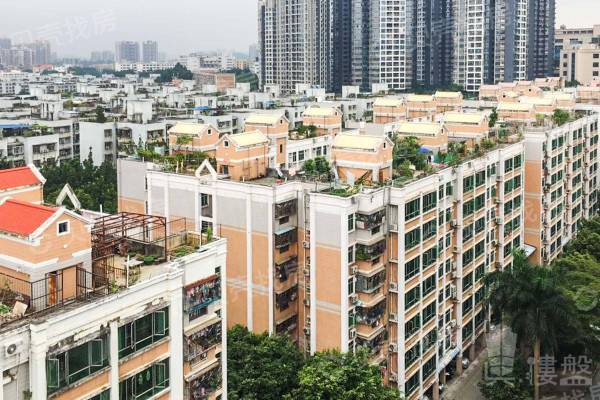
(412, 267)
(479, 295)
(105, 395)
(480, 225)
(350, 222)
(412, 238)
(448, 189)
(429, 229)
(479, 248)
(467, 233)
(508, 165)
(479, 272)
(147, 383)
(412, 209)
(479, 202)
(429, 312)
(429, 340)
(467, 330)
(467, 257)
(412, 383)
(468, 183)
(141, 333)
(429, 367)
(517, 161)
(467, 305)
(412, 297)
(428, 285)
(412, 355)
(64, 369)
(429, 201)
(468, 207)
(429, 256)
(412, 326)
(480, 178)
(517, 181)
(467, 281)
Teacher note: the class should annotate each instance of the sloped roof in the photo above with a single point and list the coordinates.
(388, 102)
(419, 128)
(448, 95)
(248, 139)
(319, 112)
(18, 177)
(463, 118)
(264, 119)
(509, 106)
(188, 128)
(22, 218)
(538, 101)
(419, 97)
(357, 142)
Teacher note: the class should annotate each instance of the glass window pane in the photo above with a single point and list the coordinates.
(97, 350)
(52, 372)
(159, 323)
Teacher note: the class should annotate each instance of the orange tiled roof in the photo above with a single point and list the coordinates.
(22, 218)
(17, 177)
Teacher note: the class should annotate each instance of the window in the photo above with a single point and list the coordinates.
(412, 326)
(429, 201)
(429, 229)
(412, 209)
(480, 178)
(412, 297)
(63, 227)
(428, 286)
(350, 222)
(412, 268)
(467, 281)
(468, 208)
(468, 183)
(142, 332)
(203, 200)
(429, 312)
(226, 143)
(429, 257)
(350, 254)
(66, 368)
(146, 383)
(412, 355)
(412, 383)
(105, 395)
(412, 238)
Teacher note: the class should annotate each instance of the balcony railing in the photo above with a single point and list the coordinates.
(285, 237)
(200, 296)
(200, 342)
(367, 253)
(370, 221)
(285, 209)
(283, 300)
(202, 387)
(284, 269)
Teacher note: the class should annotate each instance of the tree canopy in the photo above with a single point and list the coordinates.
(177, 72)
(94, 186)
(407, 149)
(341, 376)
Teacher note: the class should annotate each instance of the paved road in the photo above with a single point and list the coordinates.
(465, 387)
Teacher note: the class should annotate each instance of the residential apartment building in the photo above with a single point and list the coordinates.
(149, 51)
(89, 322)
(561, 188)
(580, 63)
(127, 52)
(572, 36)
(396, 269)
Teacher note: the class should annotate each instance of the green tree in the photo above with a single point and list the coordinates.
(100, 117)
(309, 167)
(261, 366)
(493, 118)
(341, 376)
(587, 240)
(534, 306)
(560, 117)
(408, 149)
(177, 72)
(503, 390)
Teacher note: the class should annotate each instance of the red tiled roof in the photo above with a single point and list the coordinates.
(22, 218)
(17, 177)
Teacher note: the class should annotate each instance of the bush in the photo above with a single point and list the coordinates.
(149, 260)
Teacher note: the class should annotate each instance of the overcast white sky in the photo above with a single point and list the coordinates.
(80, 26)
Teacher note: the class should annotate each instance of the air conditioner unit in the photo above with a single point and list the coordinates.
(306, 272)
(352, 334)
(354, 269)
(393, 227)
(13, 348)
(393, 347)
(453, 323)
(453, 223)
(306, 302)
(454, 275)
(393, 377)
(360, 224)
(353, 298)
(305, 244)
(393, 286)
(393, 317)
(455, 249)
(307, 331)
(494, 243)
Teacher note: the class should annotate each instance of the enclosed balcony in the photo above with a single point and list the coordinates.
(285, 209)
(285, 268)
(370, 284)
(205, 386)
(371, 316)
(285, 298)
(370, 221)
(200, 342)
(370, 252)
(200, 296)
(285, 237)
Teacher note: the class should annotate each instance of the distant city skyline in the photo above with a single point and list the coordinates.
(77, 29)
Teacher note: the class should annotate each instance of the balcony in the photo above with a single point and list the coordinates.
(285, 209)
(287, 325)
(198, 297)
(370, 221)
(370, 252)
(205, 386)
(285, 268)
(285, 298)
(373, 345)
(200, 342)
(285, 237)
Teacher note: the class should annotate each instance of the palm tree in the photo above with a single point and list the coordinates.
(531, 302)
